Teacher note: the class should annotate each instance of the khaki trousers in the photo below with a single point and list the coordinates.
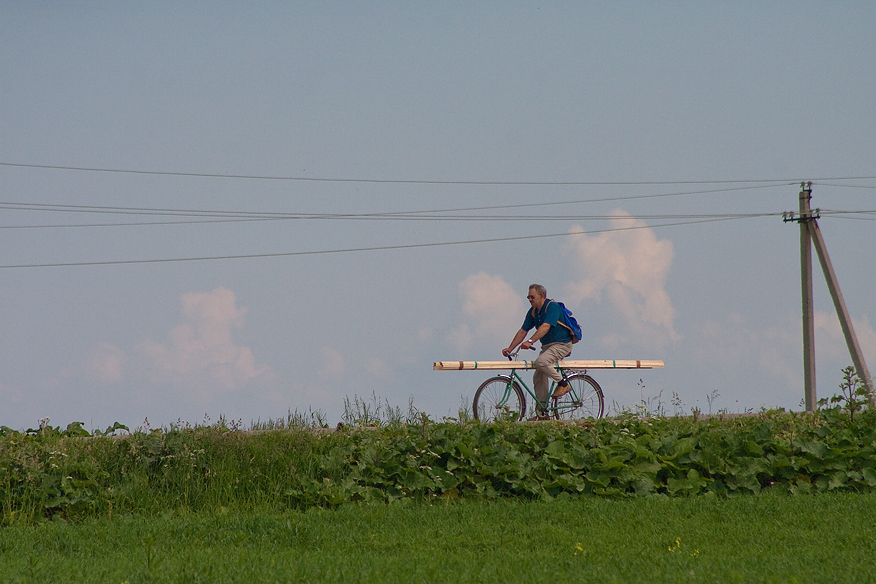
(545, 370)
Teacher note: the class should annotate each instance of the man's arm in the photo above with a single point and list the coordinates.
(521, 334)
(539, 333)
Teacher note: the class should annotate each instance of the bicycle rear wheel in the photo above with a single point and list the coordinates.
(584, 401)
(498, 397)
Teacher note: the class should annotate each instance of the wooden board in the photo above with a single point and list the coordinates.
(570, 364)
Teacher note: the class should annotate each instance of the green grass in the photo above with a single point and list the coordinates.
(825, 537)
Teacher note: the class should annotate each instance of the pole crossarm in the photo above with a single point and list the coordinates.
(792, 217)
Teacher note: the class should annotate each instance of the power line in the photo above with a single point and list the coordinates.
(846, 186)
(434, 215)
(428, 182)
(854, 215)
(139, 223)
(135, 210)
(417, 215)
(363, 249)
(607, 199)
(463, 218)
(836, 212)
(392, 215)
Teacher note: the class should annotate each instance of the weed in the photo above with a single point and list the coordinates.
(376, 412)
(294, 420)
(853, 393)
(712, 398)
(465, 414)
(646, 407)
(677, 405)
(359, 412)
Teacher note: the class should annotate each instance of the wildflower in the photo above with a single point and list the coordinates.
(677, 548)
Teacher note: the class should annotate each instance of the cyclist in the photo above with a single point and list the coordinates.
(556, 344)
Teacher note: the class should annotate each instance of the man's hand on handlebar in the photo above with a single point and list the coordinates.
(509, 352)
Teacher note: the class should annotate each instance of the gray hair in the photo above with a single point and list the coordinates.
(539, 289)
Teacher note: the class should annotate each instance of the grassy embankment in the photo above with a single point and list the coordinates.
(631, 499)
(49, 473)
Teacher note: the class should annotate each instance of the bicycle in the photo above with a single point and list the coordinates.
(501, 396)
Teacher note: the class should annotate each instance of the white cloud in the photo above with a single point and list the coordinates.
(106, 363)
(379, 368)
(829, 338)
(735, 344)
(628, 268)
(200, 352)
(332, 366)
(766, 361)
(493, 310)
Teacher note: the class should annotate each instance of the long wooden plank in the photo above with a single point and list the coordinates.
(570, 364)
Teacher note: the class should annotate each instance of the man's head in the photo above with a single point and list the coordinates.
(537, 295)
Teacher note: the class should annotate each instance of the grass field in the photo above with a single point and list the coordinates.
(775, 497)
(825, 537)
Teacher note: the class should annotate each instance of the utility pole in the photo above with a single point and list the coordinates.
(806, 284)
(810, 234)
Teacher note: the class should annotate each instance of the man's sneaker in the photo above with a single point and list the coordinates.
(540, 416)
(562, 389)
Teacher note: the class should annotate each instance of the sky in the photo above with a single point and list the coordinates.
(383, 181)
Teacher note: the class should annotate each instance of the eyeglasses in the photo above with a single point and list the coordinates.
(530, 297)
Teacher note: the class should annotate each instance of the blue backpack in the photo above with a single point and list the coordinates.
(568, 321)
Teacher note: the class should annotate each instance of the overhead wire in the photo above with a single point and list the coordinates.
(364, 249)
(838, 212)
(139, 223)
(461, 218)
(852, 215)
(214, 216)
(413, 181)
(391, 215)
(847, 186)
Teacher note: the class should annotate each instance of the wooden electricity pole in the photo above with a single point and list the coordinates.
(808, 312)
(810, 234)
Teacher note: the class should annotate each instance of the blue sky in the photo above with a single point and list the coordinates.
(548, 118)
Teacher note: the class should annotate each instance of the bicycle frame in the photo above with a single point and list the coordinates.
(511, 377)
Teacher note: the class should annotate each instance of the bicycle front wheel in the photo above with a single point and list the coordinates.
(498, 397)
(584, 401)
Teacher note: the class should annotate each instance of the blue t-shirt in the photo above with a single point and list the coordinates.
(550, 313)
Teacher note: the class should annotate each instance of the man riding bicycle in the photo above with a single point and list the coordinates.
(556, 343)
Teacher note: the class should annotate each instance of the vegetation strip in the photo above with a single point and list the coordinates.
(50, 473)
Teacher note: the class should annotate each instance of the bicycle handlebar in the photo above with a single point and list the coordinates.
(514, 354)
